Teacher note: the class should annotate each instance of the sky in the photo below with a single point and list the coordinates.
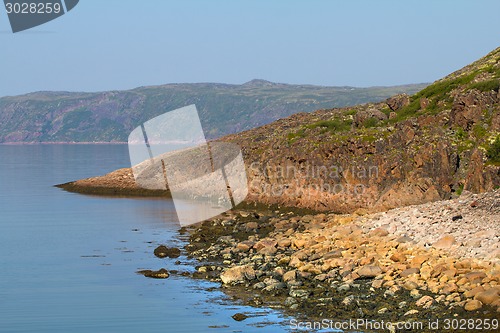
(122, 44)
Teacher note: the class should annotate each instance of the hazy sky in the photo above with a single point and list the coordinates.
(122, 44)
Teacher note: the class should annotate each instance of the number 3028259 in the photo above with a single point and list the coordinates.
(33, 8)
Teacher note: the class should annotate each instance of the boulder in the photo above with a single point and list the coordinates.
(162, 252)
(237, 274)
(398, 102)
(444, 242)
(369, 271)
(473, 305)
(489, 296)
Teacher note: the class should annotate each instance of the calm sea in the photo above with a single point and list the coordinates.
(68, 261)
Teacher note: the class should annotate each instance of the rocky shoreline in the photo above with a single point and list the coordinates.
(316, 266)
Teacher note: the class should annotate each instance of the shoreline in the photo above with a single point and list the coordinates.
(319, 265)
(329, 266)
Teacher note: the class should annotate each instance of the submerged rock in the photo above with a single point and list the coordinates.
(159, 274)
(162, 252)
(239, 316)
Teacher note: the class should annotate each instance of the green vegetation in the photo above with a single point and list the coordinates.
(479, 131)
(436, 93)
(223, 108)
(293, 136)
(493, 151)
(335, 125)
(485, 86)
(370, 122)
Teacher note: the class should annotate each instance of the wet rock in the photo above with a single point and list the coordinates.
(162, 252)
(239, 316)
(159, 274)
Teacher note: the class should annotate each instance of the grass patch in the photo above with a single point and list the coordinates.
(493, 151)
(486, 86)
(370, 122)
(436, 92)
(294, 136)
(334, 125)
(479, 131)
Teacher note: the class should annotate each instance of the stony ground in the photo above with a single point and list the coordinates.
(468, 226)
(413, 263)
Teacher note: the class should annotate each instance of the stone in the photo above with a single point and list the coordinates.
(159, 274)
(369, 271)
(377, 284)
(284, 242)
(488, 296)
(244, 247)
(299, 293)
(475, 276)
(238, 274)
(239, 316)
(398, 102)
(473, 305)
(410, 285)
(251, 225)
(418, 260)
(410, 313)
(361, 116)
(409, 271)
(415, 293)
(381, 232)
(398, 257)
(162, 252)
(473, 292)
(289, 301)
(444, 242)
(425, 302)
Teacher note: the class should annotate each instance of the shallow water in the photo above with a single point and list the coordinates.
(68, 261)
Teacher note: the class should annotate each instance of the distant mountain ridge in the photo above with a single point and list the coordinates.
(110, 116)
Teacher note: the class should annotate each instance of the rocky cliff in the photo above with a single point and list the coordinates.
(406, 150)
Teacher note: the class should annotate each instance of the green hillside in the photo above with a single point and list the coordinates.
(224, 109)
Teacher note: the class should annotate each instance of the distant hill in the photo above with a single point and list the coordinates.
(224, 108)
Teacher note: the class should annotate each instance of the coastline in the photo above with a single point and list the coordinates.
(317, 266)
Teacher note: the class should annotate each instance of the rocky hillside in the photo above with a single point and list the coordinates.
(111, 116)
(403, 151)
(406, 150)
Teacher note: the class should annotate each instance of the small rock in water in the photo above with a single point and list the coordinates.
(162, 252)
(239, 316)
(159, 274)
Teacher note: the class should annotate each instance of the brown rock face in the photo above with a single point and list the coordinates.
(398, 102)
(364, 115)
